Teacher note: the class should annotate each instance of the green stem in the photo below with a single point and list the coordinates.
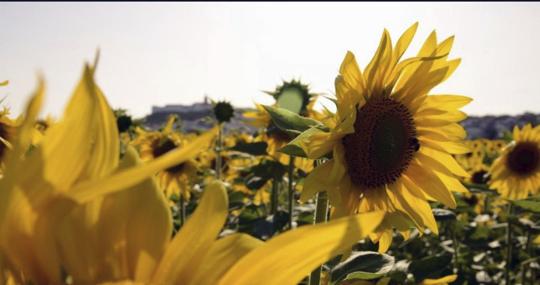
(486, 204)
(218, 151)
(321, 212)
(274, 201)
(456, 249)
(291, 190)
(274, 197)
(508, 245)
(182, 207)
(527, 251)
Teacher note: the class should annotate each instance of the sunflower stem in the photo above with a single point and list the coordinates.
(508, 244)
(291, 190)
(219, 143)
(525, 266)
(182, 213)
(274, 201)
(321, 212)
(456, 249)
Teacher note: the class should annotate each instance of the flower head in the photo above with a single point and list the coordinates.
(391, 142)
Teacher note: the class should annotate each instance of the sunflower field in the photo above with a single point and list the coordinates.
(385, 188)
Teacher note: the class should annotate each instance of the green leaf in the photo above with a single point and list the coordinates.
(364, 265)
(479, 188)
(292, 149)
(255, 182)
(531, 204)
(429, 267)
(291, 122)
(443, 215)
(236, 200)
(291, 99)
(4, 83)
(296, 146)
(256, 148)
(256, 176)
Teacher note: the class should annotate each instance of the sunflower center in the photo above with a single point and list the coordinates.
(161, 147)
(524, 159)
(480, 177)
(383, 143)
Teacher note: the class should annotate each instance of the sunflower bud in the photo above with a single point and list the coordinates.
(223, 111)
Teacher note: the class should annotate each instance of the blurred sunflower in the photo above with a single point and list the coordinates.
(391, 142)
(516, 173)
(173, 180)
(76, 162)
(119, 247)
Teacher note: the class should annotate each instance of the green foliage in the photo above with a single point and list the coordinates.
(256, 148)
(258, 175)
(532, 204)
(431, 266)
(443, 214)
(291, 122)
(363, 265)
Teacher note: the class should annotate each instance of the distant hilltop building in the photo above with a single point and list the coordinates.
(194, 117)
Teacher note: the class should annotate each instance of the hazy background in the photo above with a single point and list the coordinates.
(174, 53)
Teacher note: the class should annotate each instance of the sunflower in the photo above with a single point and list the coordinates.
(173, 180)
(391, 142)
(516, 173)
(76, 162)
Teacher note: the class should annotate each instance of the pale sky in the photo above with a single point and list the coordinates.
(174, 53)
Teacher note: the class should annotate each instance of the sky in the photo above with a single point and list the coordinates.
(175, 53)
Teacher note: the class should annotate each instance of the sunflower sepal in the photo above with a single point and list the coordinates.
(291, 122)
(293, 149)
(302, 146)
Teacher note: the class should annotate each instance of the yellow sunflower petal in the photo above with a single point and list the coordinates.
(316, 181)
(315, 143)
(68, 142)
(88, 190)
(105, 149)
(351, 73)
(114, 231)
(441, 161)
(440, 281)
(385, 241)
(223, 254)
(404, 41)
(190, 245)
(430, 184)
(289, 257)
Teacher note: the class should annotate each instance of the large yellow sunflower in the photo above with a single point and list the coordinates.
(516, 173)
(173, 180)
(391, 142)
